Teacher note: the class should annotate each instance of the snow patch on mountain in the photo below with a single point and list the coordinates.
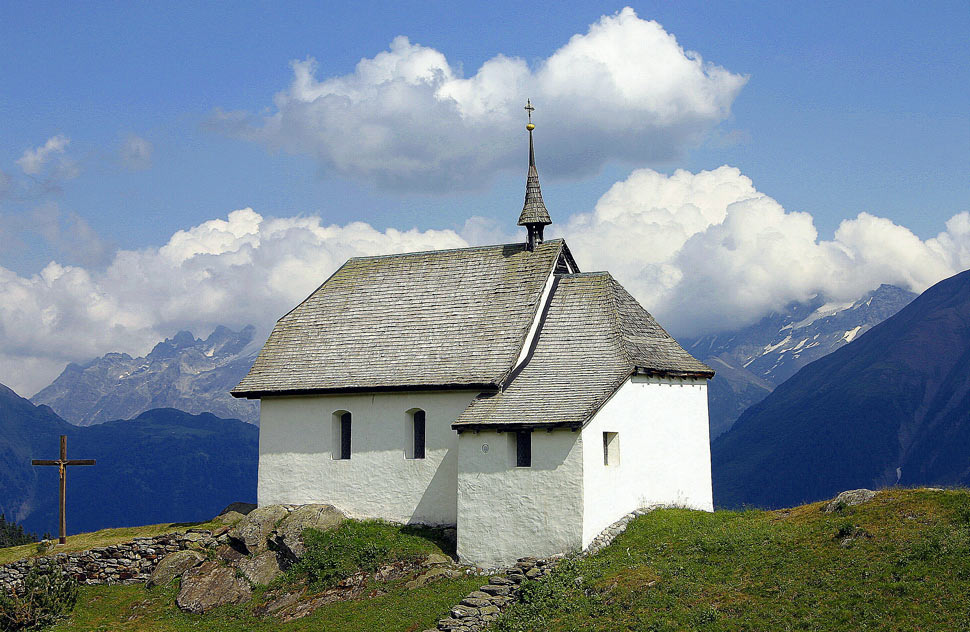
(183, 372)
(767, 353)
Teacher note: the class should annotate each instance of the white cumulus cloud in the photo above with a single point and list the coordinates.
(234, 271)
(702, 251)
(407, 118)
(707, 252)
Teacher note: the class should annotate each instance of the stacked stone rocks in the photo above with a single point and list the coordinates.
(609, 534)
(483, 606)
(126, 563)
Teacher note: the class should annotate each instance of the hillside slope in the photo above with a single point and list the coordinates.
(890, 407)
(163, 465)
(899, 562)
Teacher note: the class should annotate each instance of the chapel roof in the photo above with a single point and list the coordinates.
(592, 338)
(439, 319)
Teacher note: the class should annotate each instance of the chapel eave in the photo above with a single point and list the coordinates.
(357, 390)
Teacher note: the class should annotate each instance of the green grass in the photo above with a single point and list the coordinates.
(134, 609)
(104, 537)
(360, 545)
(906, 567)
(354, 545)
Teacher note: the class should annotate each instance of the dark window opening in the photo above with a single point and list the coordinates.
(611, 448)
(418, 421)
(523, 449)
(345, 436)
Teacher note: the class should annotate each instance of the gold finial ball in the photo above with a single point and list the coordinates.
(530, 127)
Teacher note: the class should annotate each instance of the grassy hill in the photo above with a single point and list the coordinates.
(898, 562)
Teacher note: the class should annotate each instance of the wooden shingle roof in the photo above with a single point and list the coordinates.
(439, 319)
(593, 336)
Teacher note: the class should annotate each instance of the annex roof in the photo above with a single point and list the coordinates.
(592, 337)
(438, 319)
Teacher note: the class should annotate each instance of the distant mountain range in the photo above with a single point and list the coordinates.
(163, 466)
(183, 372)
(195, 375)
(890, 407)
(752, 361)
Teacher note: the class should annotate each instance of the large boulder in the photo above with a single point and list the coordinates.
(242, 508)
(254, 530)
(209, 586)
(849, 498)
(229, 518)
(173, 565)
(261, 569)
(290, 532)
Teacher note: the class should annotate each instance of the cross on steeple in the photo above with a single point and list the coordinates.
(534, 215)
(62, 464)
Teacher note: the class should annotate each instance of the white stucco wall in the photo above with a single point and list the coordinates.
(296, 466)
(664, 451)
(506, 512)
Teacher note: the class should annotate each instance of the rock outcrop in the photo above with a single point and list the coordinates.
(253, 532)
(261, 569)
(211, 585)
(174, 565)
(849, 498)
(289, 536)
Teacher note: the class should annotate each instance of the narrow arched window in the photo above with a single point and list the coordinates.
(418, 420)
(415, 434)
(523, 448)
(341, 435)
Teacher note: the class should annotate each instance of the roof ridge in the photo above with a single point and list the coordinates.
(541, 305)
(444, 250)
(585, 274)
(615, 322)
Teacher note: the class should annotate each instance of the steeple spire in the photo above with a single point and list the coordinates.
(534, 215)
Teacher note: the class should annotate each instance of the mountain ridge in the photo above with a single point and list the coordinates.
(182, 372)
(892, 406)
(750, 362)
(162, 465)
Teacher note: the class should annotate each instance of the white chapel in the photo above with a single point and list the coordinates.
(496, 388)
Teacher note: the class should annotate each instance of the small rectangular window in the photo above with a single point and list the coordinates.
(418, 420)
(523, 448)
(611, 448)
(345, 436)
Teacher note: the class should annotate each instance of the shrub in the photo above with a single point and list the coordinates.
(357, 546)
(44, 598)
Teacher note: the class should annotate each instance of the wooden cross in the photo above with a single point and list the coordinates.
(529, 108)
(62, 463)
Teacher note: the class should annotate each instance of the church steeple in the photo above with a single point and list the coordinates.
(534, 215)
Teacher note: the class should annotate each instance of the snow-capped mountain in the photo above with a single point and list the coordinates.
(183, 372)
(751, 361)
(890, 408)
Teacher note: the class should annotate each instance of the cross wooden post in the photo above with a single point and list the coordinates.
(62, 464)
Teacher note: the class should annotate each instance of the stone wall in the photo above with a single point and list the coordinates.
(125, 563)
(483, 606)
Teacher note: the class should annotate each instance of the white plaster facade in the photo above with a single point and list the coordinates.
(558, 504)
(664, 451)
(297, 464)
(507, 512)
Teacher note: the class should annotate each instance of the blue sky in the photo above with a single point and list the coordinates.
(839, 108)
